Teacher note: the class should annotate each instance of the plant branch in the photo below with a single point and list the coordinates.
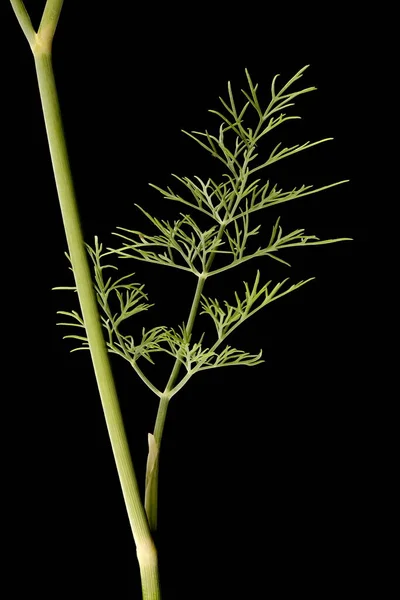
(50, 17)
(24, 20)
(227, 320)
(151, 501)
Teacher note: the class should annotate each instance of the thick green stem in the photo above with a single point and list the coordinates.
(108, 394)
(41, 43)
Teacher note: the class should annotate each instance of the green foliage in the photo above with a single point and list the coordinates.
(183, 244)
(232, 315)
(230, 202)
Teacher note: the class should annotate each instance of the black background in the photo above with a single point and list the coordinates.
(268, 475)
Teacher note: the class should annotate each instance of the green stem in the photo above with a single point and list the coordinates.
(152, 494)
(24, 20)
(189, 328)
(41, 47)
(151, 499)
(152, 503)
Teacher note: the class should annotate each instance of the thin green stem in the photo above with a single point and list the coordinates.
(24, 20)
(151, 502)
(189, 328)
(135, 366)
(145, 379)
(160, 420)
(41, 48)
(152, 505)
(152, 495)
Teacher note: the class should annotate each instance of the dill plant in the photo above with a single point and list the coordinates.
(108, 302)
